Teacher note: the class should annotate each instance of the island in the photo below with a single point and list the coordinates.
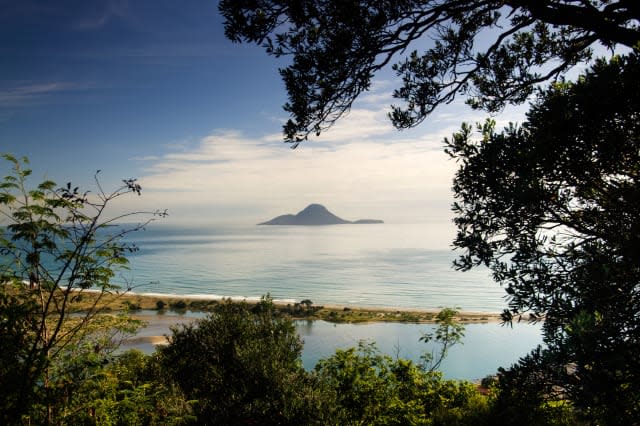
(315, 215)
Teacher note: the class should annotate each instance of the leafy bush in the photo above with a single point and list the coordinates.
(56, 244)
(179, 305)
(242, 365)
(131, 390)
(375, 389)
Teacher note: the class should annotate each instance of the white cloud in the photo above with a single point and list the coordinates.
(360, 168)
(20, 95)
(228, 172)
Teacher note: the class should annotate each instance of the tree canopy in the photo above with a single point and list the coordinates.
(58, 246)
(493, 52)
(241, 365)
(553, 208)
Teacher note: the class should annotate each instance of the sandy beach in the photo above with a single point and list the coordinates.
(189, 305)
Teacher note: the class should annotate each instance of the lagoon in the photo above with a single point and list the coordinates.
(484, 348)
(403, 266)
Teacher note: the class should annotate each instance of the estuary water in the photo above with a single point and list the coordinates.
(484, 348)
(398, 266)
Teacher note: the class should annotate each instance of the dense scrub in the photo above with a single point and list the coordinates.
(242, 365)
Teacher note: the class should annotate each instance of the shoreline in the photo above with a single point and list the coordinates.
(178, 310)
(185, 304)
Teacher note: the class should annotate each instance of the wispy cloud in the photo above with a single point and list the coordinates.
(362, 167)
(354, 170)
(111, 9)
(146, 158)
(20, 95)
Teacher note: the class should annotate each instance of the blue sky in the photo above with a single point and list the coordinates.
(152, 89)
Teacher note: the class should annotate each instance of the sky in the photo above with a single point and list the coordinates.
(151, 89)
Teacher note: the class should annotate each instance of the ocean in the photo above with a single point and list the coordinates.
(386, 265)
(352, 265)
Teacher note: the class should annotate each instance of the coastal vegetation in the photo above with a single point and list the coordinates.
(62, 316)
(56, 244)
(551, 206)
(305, 309)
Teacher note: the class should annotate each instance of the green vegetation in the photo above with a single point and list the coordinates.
(131, 389)
(56, 245)
(241, 365)
(557, 219)
(337, 314)
(448, 334)
(551, 206)
(374, 389)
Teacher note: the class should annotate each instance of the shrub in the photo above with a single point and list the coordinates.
(242, 365)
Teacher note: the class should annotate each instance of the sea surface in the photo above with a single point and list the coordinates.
(359, 265)
(399, 266)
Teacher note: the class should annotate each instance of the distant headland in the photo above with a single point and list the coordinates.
(315, 215)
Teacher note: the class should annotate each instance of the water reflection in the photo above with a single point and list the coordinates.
(485, 346)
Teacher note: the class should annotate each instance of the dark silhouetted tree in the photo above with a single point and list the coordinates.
(492, 52)
(553, 208)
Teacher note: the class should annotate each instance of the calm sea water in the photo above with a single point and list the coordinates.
(363, 265)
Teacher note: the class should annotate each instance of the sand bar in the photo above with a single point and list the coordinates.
(186, 304)
(160, 312)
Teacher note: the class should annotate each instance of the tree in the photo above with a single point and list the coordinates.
(529, 393)
(492, 51)
(447, 334)
(553, 208)
(132, 389)
(242, 365)
(374, 389)
(59, 254)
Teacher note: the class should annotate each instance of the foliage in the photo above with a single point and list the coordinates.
(529, 394)
(447, 334)
(77, 365)
(131, 390)
(493, 52)
(374, 389)
(553, 208)
(56, 244)
(242, 366)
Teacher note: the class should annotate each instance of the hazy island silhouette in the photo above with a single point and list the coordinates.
(315, 215)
